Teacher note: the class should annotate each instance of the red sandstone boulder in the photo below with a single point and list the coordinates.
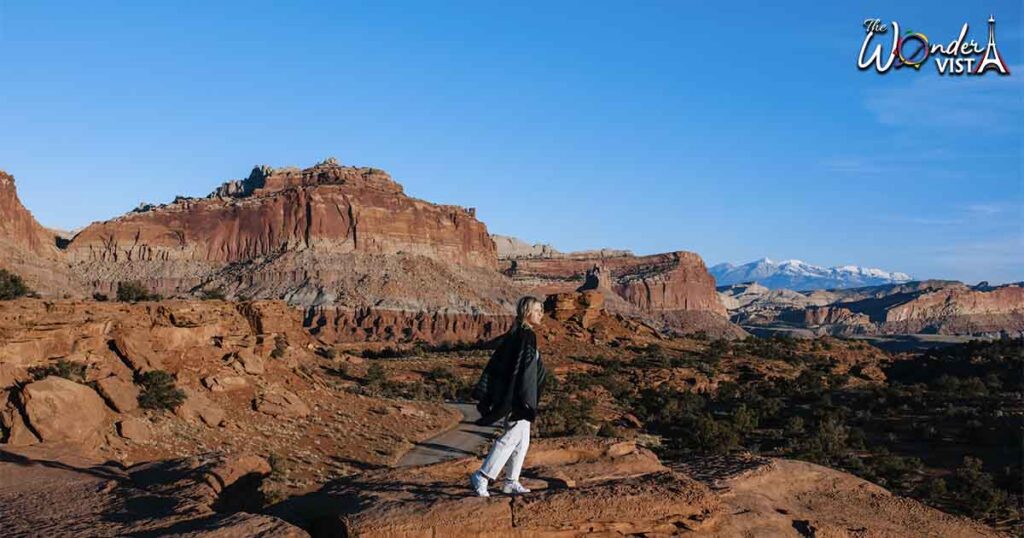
(246, 361)
(199, 408)
(280, 402)
(62, 410)
(224, 382)
(14, 431)
(134, 429)
(122, 395)
(582, 306)
(134, 350)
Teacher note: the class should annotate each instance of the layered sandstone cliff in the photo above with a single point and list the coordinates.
(929, 307)
(512, 248)
(958, 310)
(28, 249)
(673, 288)
(652, 284)
(18, 227)
(328, 234)
(327, 207)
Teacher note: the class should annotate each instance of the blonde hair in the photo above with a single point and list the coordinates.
(523, 308)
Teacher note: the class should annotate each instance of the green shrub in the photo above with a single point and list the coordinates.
(385, 353)
(977, 490)
(743, 419)
(278, 466)
(443, 384)
(711, 436)
(375, 375)
(72, 370)
(566, 416)
(11, 286)
(159, 391)
(132, 291)
(377, 383)
(717, 349)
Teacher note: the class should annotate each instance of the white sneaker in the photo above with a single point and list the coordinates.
(513, 488)
(479, 483)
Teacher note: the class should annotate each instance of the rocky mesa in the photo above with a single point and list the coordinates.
(673, 288)
(927, 307)
(328, 234)
(362, 259)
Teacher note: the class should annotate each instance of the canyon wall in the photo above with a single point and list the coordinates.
(264, 222)
(327, 207)
(673, 288)
(325, 235)
(18, 228)
(344, 325)
(960, 310)
(338, 237)
(30, 250)
(650, 284)
(926, 307)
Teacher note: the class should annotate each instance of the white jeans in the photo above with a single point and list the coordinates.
(511, 447)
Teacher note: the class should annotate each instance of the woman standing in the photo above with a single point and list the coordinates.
(509, 390)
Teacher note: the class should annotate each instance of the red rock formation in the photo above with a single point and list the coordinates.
(959, 309)
(590, 486)
(931, 307)
(328, 206)
(300, 234)
(28, 249)
(828, 315)
(61, 410)
(655, 283)
(65, 493)
(334, 324)
(226, 359)
(673, 288)
(583, 306)
(18, 227)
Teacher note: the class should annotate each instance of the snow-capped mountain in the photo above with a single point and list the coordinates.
(798, 275)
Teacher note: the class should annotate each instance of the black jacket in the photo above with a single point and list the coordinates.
(511, 383)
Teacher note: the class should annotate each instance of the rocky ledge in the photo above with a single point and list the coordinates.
(587, 486)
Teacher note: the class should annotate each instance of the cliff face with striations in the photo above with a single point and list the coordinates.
(674, 287)
(958, 310)
(326, 207)
(28, 249)
(328, 234)
(369, 324)
(652, 284)
(18, 228)
(927, 307)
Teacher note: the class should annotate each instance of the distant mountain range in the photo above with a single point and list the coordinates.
(798, 275)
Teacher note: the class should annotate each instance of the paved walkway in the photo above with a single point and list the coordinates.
(458, 442)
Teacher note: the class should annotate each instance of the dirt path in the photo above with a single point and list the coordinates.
(463, 440)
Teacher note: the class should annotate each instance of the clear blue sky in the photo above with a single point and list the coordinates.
(733, 130)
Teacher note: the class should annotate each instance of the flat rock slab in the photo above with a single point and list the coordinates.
(580, 486)
(53, 493)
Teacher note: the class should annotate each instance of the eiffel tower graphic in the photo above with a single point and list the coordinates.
(992, 58)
